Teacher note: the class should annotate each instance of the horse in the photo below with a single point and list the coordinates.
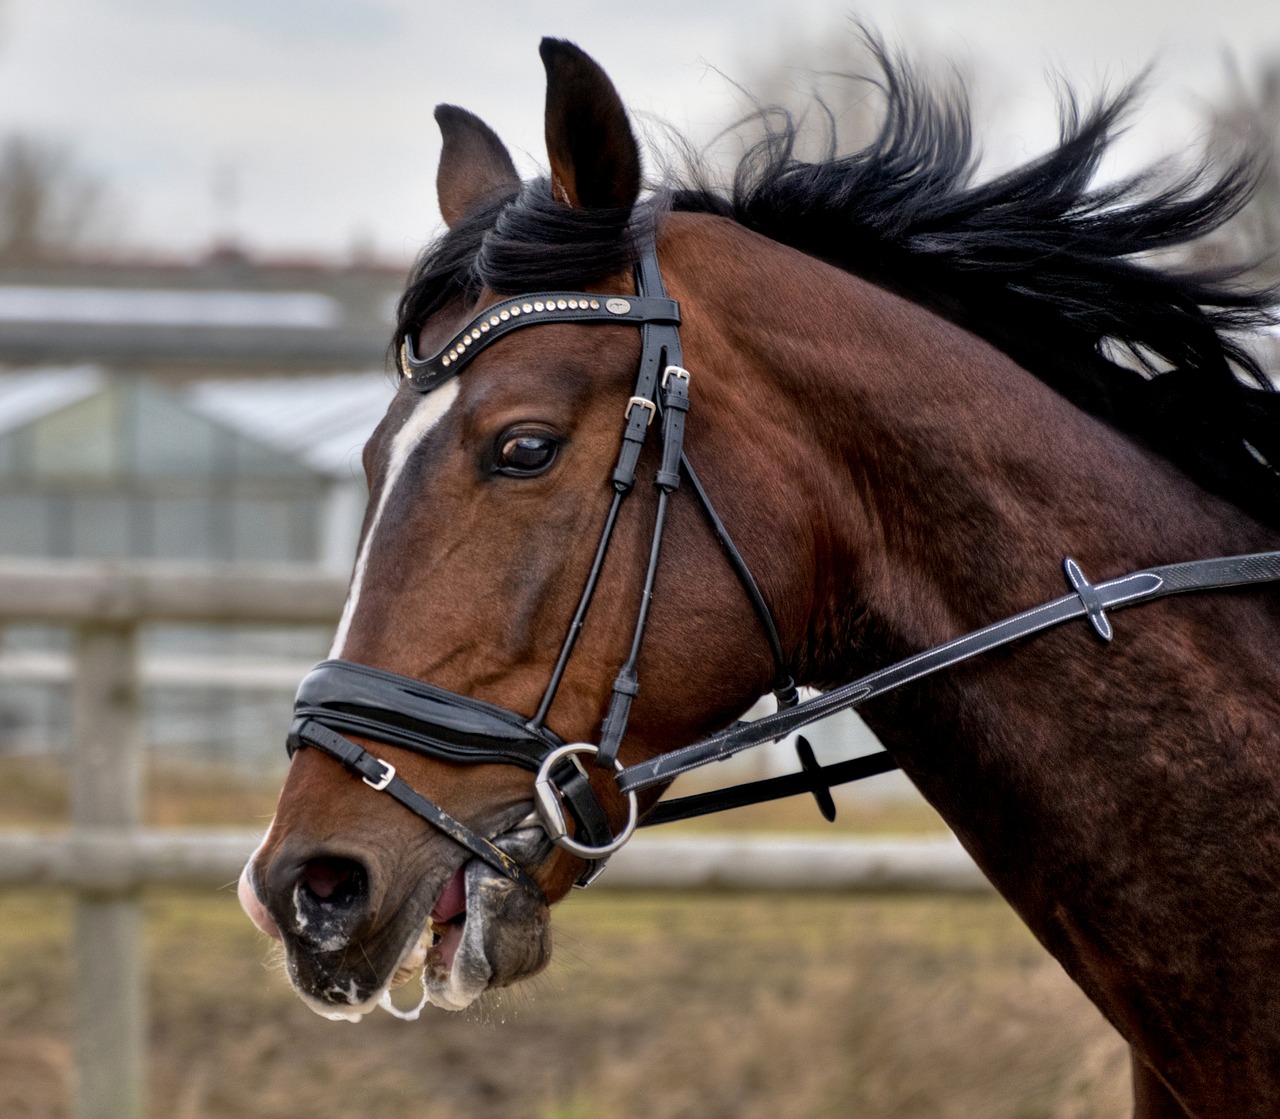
(908, 394)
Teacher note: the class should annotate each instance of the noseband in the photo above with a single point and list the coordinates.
(341, 697)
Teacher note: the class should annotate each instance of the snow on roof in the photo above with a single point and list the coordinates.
(304, 310)
(30, 394)
(323, 420)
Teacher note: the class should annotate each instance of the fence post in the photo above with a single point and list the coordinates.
(106, 794)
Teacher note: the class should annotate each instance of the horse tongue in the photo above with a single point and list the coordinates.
(452, 899)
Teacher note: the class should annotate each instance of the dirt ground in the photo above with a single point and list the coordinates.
(673, 1006)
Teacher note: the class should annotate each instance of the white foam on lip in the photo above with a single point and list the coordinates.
(429, 412)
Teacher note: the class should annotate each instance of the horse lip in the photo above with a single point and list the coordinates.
(470, 972)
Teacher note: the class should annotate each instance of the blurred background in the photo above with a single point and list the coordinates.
(207, 211)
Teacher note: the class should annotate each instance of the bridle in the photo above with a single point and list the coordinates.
(340, 696)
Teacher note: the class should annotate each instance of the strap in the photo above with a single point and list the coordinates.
(784, 688)
(579, 616)
(639, 415)
(772, 788)
(1089, 600)
(426, 374)
(381, 776)
(675, 405)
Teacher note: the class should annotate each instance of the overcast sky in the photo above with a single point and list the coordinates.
(305, 125)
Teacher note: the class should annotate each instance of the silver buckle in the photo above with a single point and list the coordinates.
(546, 800)
(647, 405)
(675, 371)
(383, 781)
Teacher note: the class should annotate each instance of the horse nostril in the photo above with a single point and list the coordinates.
(329, 900)
(333, 880)
(322, 900)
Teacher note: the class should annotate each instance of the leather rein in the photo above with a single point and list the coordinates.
(340, 697)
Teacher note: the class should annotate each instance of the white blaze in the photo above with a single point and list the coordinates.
(430, 411)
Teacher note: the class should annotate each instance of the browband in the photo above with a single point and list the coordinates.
(426, 374)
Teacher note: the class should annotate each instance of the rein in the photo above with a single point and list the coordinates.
(341, 696)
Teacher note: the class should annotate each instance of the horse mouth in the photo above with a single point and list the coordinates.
(483, 930)
(450, 955)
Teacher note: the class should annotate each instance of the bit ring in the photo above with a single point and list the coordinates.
(550, 812)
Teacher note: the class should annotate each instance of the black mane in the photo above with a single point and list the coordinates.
(1035, 261)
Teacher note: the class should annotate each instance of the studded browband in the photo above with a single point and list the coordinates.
(426, 374)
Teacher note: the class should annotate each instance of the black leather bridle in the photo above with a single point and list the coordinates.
(341, 697)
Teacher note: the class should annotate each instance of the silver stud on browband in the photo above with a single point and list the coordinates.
(473, 333)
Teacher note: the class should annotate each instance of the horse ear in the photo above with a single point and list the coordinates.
(474, 164)
(595, 161)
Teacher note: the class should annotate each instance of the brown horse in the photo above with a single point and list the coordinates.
(907, 408)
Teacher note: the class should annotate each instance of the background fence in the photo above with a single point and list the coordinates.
(107, 856)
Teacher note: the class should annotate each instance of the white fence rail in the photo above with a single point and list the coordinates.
(107, 860)
(107, 857)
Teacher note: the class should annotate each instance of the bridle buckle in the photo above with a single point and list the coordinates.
(647, 405)
(383, 781)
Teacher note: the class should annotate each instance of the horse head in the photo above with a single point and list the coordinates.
(489, 492)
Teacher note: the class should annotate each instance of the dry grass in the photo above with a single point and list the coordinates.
(661, 1007)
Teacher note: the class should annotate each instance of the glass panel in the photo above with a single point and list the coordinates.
(260, 529)
(84, 438)
(275, 529)
(168, 441)
(182, 528)
(304, 543)
(252, 457)
(34, 718)
(100, 526)
(24, 525)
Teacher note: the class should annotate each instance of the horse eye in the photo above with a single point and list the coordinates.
(524, 455)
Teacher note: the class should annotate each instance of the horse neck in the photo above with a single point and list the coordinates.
(936, 486)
